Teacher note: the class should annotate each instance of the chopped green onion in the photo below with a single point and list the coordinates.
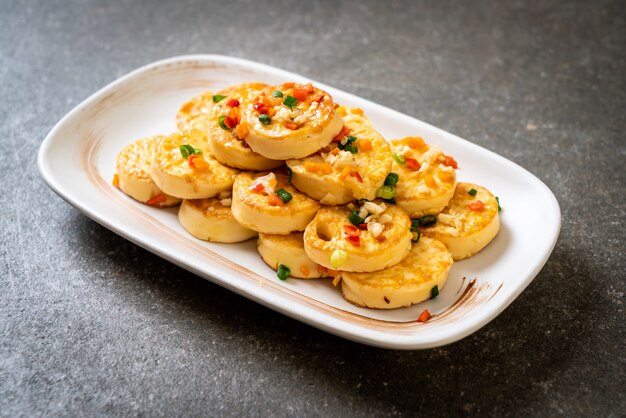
(428, 220)
(289, 175)
(387, 192)
(415, 235)
(348, 145)
(498, 200)
(284, 195)
(277, 93)
(218, 98)
(355, 219)
(265, 120)
(472, 192)
(350, 139)
(392, 179)
(415, 223)
(290, 102)
(222, 124)
(338, 258)
(186, 150)
(434, 292)
(398, 158)
(283, 272)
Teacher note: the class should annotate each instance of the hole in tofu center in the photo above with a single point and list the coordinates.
(323, 232)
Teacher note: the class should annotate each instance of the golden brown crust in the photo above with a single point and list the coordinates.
(346, 176)
(210, 206)
(408, 282)
(281, 130)
(193, 114)
(326, 231)
(135, 159)
(425, 191)
(175, 176)
(229, 145)
(258, 202)
(322, 113)
(465, 220)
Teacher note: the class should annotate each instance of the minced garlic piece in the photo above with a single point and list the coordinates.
(282, 114)
(299, 120)
(451, 231)
(375, 228)
(373, 208)
(343, 158)
(402, 149)
(268, 181)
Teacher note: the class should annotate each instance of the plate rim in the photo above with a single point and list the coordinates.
(372, 337)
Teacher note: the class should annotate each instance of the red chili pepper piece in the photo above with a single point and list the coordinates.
(258, 188)
(450, 162)
(413, 164)
(424, 316)
(356, 241)
(230, 121)
(343, 133)
(262, 108)
(351, 231)
(232, 103)
(157, 200)
(356, 175)
(477, 205)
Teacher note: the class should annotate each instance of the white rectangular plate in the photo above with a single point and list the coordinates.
(77, 161)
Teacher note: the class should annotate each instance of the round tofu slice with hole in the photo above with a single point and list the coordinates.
(198, 176)
(468, 223)
(226, 134)
(289, 251)
(426, 176)
(406, 283)
(353, 166)
(212, 220)
(381, 241)
(290, 121)
(133, 173)
(193, 114)
(257, 206)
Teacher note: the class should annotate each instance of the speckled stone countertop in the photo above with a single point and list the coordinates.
(92, 325)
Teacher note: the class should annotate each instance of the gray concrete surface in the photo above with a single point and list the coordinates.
(91, 325)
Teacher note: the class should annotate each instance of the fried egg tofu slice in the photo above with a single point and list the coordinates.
(333, 242)
(257, 206)
(335, 176)
(195, 177)
(133, 168)
(212, 220)
(426, 177)
(226, 142)
(290, 121)
(409, 282)
(289, 251)
(193, 114)
(468, 223)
